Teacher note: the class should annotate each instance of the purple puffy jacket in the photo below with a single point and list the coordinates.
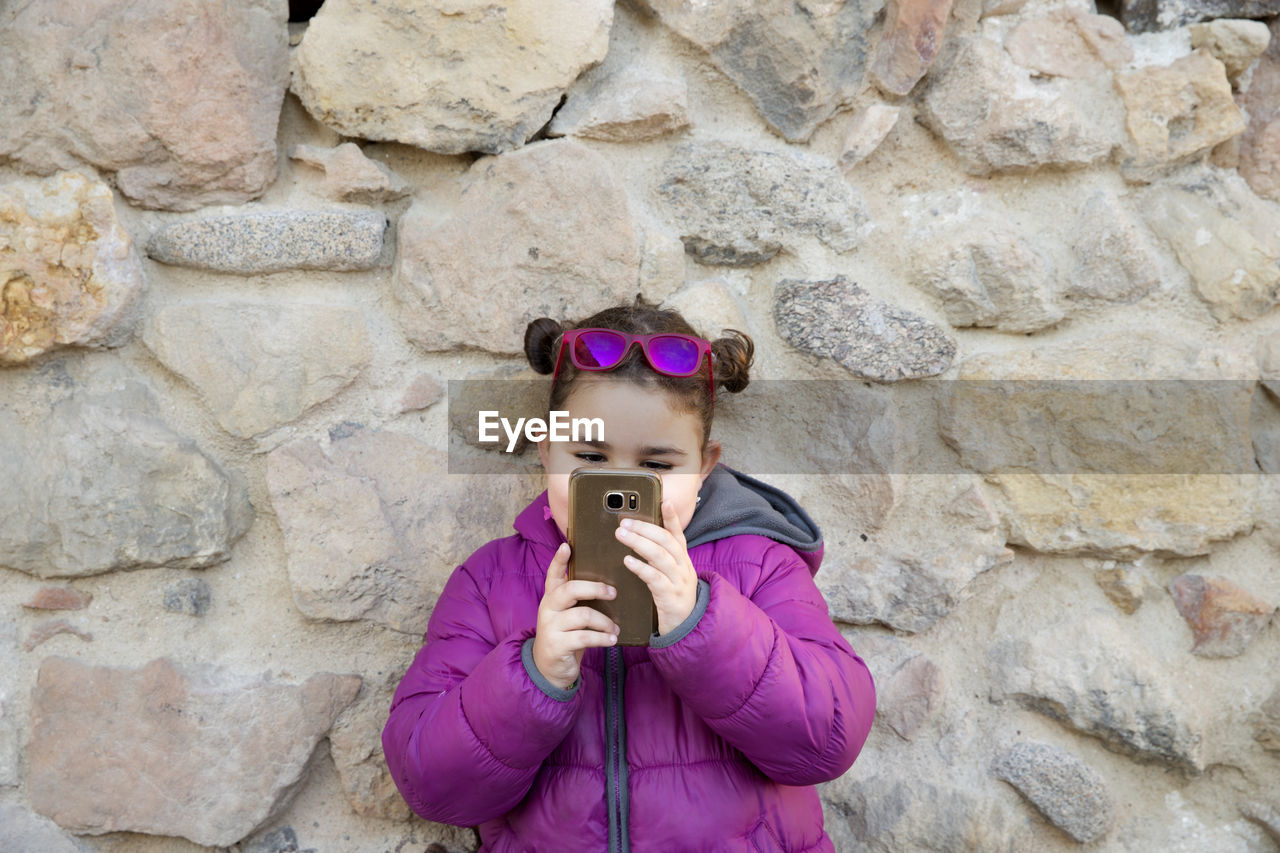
(709, 739)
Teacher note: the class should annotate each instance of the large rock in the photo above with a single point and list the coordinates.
(1113, 254)
(1063, 788)
(258, 366)
(1157, 459)
(68, 272)
(1110, 687)
(1235, 43)
(439, 75)
(1175, 113)
(1260, 143)
(996, 120)
(1223, 617)
(909, 44)
(798, 62)
(839, 320)
(365, 540)
(203, 754)
(1143, 16)
(1069, 43)
(737, 206)
(1219, 231)
(101, 482)
(273, 241)
(356, 746)
(180, 99)
(520, 228)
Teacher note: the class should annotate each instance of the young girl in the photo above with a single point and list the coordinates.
(522, 716)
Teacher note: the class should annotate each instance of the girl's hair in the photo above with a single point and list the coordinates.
(733, 355)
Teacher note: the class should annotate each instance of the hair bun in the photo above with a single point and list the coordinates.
(734, 354)
(539, 343)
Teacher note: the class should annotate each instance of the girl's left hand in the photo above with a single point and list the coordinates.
(665, 568)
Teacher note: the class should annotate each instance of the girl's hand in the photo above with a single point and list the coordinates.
(565, 629)
(665, 568)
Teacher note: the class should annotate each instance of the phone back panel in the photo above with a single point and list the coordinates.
(597, 553)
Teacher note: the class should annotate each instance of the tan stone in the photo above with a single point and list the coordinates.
(909, 696)
(521, 228)
(69, 274)
(351, 176)
(441, 75)
(912, 37)
(1223, 617)
(1235, 42)
(356, 746)
(180, 98)
(203, 754)
(1069, 43)
(1176, 113)
(865, 133)
(1124, 583)
(709, 306)
(630, 105)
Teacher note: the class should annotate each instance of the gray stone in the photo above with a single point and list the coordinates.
(189, 595)
(906, 699)
(351, 176)
(26, 832)
(443, 76)
(10, 751)
(631, 104)
(798, 62)
(737, 206)
(120, 84)
(1114, 254)
(103, 482)
(995, 120)
(995, 279)
(520, 228)
(1111, 687)
(88, 296)
(356, 746)
(1062, 787)
(282, 840)
(258, 366)
(837, 319)
(365, 540)
(1144, 16)
(273, 241)
(144, 750)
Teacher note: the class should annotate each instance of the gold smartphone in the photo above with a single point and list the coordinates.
(598, 499)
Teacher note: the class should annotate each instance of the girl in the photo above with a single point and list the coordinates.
(522, 716)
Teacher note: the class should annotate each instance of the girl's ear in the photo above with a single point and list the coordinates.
(710, 456)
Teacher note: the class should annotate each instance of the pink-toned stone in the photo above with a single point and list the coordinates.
(421, 393)
(1260, 143)
(351, 176)
(356, 746)
(59, 598)
(68, 272)
(1069, 43)
(52, 628)
(910, 695)
(912, 36)
(180, 98)
(1223, 617)
(205, 755)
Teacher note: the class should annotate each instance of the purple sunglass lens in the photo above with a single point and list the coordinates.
(674, 355)
(599, 349)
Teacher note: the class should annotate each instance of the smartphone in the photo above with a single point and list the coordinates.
(598, 499)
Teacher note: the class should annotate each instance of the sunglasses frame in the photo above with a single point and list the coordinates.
(569, 338)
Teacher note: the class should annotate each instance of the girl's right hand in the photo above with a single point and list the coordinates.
(566, 629)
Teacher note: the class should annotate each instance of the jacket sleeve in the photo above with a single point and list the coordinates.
(469, 725)
(771, 674)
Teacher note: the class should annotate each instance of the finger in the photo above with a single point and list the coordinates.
(583, 618)
(575, 640)
(571, 592)
(558, 570)
(653, 578)
(659, 551)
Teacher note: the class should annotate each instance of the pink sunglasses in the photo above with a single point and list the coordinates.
(668, 353)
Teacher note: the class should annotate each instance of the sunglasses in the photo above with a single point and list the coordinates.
(668, 353)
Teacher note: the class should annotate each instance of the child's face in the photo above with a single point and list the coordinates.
(641, 430)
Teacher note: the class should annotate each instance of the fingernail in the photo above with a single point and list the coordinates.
(623, 533)
(626, 522)
(613, 639)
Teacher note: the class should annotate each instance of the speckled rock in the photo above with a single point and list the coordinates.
(1175, 113)
(837, 319)
(351, 176)
(260, 365)
(1223, 617)
(1062, 787)
(188, 595)
(521, 227)
(106, 483)
(273, 241)
(117, 749)
(738, 207)
(441, 75)
(68, 272)
(982, 105)
(911, 39)
(798, 62)
(179, 98)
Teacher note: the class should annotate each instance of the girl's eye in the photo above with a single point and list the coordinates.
(655, 465)
(588, 456)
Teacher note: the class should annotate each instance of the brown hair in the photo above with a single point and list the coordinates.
(732, 354)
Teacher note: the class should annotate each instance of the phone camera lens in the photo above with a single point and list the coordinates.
(613, 500)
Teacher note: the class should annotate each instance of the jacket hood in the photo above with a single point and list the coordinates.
(732, 503)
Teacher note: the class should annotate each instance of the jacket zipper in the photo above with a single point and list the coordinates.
(616, 764)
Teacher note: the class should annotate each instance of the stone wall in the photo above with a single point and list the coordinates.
(240, 260)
